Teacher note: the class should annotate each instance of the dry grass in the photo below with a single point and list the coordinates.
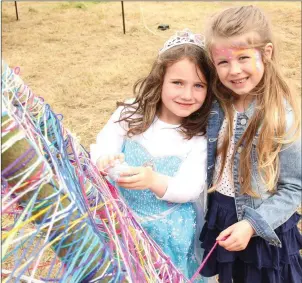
(76, 56)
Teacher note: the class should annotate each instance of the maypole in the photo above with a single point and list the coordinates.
(62, 221)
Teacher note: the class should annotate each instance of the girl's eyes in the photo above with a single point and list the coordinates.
(199, 86)
(243, 57)
(222, 62)
(176, 83)
(180, 84)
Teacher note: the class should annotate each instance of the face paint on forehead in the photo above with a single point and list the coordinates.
(231, 53)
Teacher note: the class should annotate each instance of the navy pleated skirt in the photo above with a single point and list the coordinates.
(260, 262)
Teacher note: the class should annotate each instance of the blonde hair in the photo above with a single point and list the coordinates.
(272, 95)
(148, 93)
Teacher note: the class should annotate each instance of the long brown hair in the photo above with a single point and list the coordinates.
(272, 97)
(148, 91)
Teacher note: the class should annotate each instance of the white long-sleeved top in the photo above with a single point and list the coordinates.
(161, 139)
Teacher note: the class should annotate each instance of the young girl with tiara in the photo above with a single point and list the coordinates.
(161, 136)
(254, 156)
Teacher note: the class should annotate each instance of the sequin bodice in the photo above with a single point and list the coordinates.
(144, 202)
(163, 220)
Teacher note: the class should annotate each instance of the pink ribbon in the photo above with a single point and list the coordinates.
(205, 261)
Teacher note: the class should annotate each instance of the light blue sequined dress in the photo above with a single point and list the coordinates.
(171, 225)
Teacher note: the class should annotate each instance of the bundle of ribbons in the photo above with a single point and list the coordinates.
(61, 220)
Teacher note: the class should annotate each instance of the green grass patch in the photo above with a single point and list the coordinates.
(73, 5)
(32, 10)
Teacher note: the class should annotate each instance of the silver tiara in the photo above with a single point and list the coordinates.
(183, 37)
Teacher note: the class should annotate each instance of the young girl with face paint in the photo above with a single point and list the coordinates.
(161, 136)
(254, 156)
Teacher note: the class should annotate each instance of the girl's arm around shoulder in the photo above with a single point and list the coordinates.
(190, 180)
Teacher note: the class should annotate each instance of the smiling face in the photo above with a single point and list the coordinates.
(183, 92)
(239, 67)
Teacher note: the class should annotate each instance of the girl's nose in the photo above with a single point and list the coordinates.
(187, 93)
(235, 68)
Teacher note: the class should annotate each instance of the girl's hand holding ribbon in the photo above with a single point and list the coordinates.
(105, 162)
(239, 235)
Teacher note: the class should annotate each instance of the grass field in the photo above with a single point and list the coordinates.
(76, 56)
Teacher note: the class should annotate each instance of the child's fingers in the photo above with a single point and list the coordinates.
(232, 247)
(101, 163)
(226, 243)
(224, 234)
(130, 171)
(111, 159)
(103, 172)
(105, 162)
(130, 185)
(128, 179)
(102, 167)
(121, 157)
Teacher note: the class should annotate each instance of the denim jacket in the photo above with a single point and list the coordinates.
(269, 211)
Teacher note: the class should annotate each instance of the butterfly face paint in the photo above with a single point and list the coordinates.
(233, 53)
